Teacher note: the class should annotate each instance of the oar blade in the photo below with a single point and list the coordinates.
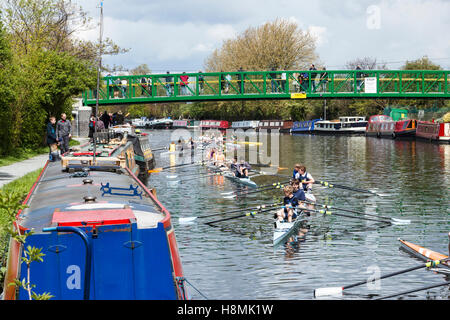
(331, 291)
(187, 219)
(400, 221)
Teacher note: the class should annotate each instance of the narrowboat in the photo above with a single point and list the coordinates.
(283, 126)
(345, 125)
(244, 125)
(433, 131)
(159, 124)
(380, 126)
(405, 129)
(180, 124)
(103, 233)
(214, 124)
(303, 126)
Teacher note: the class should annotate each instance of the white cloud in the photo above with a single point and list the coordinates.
(319, 33)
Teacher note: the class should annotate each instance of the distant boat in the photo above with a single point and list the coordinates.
(159, 124)
(283, 126)
(139, 122)
(244, 125)
(214, 124)
(380, 126)
(433, 131)
(405, 128)
(303, 126)
(345, 125)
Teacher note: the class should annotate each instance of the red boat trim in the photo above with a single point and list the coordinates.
(21, 229)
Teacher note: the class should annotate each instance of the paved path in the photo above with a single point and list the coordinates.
(21, 168)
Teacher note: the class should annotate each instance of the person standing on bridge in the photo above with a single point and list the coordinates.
(183, 83)
(358, 78)
(201, 81)
(241, 83)
(313, 77)
(169, 84)
(64, 132)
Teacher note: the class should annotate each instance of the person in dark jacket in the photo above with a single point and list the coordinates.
(106, 119)
(64, 133)
(52, 141)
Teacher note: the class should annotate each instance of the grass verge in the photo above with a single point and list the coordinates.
(20, 186)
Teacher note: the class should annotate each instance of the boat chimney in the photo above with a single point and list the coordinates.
(89, 199)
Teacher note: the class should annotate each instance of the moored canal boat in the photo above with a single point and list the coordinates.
(433, 131)
(345, 125)
(214, 124)
(245, 124)
(299, 127)
(104, 234)
(405, 129)
(380, 126)
(283, 126)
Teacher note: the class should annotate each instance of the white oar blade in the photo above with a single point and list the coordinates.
(187, 219)
(400, 221)
(229, 197)
(172, 177)
(332, 291)
(227, 193)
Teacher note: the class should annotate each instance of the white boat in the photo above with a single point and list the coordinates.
(283, 230)
(159, 124)
(139, 122)
(345, 125)
(245, 124)
(245, 181)
(230, 175)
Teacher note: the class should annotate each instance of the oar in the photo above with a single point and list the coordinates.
(202, 176)
(330, 291)
(274, 185)
(254, 191)
(393, 220)
(347, 216)
(415, 290)
(159, 149)
(263, 206)
(175, 166)
(333, 185)
(251, 213)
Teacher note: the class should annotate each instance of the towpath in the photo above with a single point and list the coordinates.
(21, 168)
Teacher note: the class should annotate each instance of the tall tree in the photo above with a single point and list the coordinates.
(280, 44)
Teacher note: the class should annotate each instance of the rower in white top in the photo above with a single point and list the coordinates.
(306, 180)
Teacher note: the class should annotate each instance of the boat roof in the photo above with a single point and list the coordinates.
(380, 118)
(62, 198)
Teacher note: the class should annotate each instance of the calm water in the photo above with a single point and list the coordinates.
(236, 259)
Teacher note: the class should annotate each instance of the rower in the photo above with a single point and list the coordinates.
(172, 147)
(220, 160)
(234, 167)
(244, 168)
(289, 212)
(298, 192)
(306, 180)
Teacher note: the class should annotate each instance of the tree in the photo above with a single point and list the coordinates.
(280, 44)
(366, 63)
(141, 69)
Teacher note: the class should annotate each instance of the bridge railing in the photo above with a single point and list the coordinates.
(271, 85)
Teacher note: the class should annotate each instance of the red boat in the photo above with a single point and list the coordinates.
(405, 128)
(214, 124)
(380, 126)
(284, 126)
(432, 131)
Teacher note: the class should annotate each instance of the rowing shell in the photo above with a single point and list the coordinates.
(230, 175)
(245, 181)
(283, 230)
(425, 255)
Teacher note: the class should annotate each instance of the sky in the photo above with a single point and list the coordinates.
(173, 35)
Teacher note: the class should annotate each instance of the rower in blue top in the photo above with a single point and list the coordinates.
(306, 181)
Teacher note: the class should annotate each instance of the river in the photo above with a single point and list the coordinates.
(235, 259)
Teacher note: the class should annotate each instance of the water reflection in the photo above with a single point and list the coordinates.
(236, 259)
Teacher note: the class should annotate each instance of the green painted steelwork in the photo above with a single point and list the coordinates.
(253, 85)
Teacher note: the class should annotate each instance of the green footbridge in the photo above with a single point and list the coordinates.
(254, 85)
